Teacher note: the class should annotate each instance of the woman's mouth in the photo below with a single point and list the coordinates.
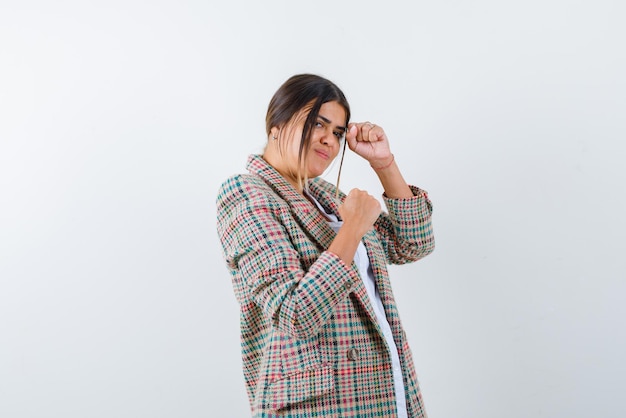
(322, 154)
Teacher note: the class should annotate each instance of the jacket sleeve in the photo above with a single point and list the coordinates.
(406, 230)
(265, 265)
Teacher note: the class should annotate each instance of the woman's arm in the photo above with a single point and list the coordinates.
(406, 232)
(266, 266)
(392, 180)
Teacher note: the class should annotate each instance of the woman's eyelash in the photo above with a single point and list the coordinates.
(320, 124)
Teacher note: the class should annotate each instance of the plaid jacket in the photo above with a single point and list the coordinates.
(310, 342)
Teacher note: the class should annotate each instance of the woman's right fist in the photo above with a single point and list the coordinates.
(360, 210)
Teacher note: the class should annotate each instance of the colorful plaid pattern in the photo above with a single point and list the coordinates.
(310, 342)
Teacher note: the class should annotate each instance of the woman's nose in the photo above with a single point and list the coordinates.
(327, 136)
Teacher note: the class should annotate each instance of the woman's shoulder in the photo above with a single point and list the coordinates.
(242, 183)
(244, 187)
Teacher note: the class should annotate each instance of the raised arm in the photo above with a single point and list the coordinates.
(406, 232)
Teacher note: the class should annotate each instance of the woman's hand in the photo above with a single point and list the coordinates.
(359, 211)
(370, 142)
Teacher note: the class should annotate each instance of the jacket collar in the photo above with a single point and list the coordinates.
(304, 211)
(257, 165)
(318, 188)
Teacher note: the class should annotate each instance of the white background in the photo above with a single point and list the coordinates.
(119, 120)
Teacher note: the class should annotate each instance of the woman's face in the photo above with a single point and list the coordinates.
(326, 135)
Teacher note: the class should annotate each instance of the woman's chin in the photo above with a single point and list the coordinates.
(317, 172)
(318, 169)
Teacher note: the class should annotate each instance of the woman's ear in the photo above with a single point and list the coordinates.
(274, 133)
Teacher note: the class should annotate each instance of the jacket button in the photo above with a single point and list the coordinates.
(353, 354)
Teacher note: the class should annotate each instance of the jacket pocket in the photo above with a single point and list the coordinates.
(298, 387)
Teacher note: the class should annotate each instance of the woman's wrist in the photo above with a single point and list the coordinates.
(392, 181)
(383, 166)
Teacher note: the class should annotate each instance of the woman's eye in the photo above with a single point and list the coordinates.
(339, 135)
(318, 125)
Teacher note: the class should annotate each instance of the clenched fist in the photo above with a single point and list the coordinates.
(359, 211)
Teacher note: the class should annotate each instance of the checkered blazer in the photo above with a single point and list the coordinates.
(310, 342)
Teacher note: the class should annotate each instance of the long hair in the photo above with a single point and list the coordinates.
(306, 92)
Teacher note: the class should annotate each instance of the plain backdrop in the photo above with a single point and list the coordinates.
(120, 119)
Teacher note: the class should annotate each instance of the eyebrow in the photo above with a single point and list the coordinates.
(341, 128)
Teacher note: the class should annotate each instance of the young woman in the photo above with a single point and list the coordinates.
(320, 332)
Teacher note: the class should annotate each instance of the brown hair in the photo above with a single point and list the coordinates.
(298, 93)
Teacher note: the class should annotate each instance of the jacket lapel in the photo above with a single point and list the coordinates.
(378, 262)
(325, 194)
(311, 221)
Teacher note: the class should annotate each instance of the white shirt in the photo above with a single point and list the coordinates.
(362, 261)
